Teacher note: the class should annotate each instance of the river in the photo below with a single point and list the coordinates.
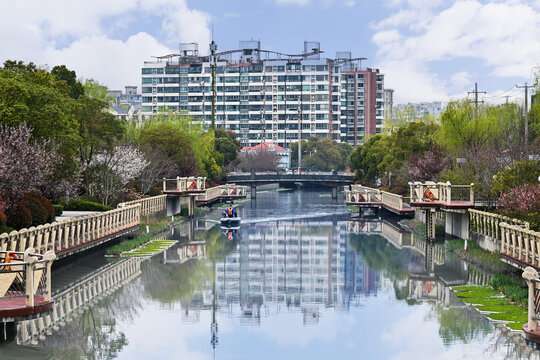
(300, 279)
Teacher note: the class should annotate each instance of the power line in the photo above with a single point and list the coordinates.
(476, 92)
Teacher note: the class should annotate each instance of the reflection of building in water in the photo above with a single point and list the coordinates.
(289, 266)
(184, 252)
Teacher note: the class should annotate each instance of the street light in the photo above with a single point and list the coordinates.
(299, 133)
(203, 99)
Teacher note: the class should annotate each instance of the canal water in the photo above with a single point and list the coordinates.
(300, 279)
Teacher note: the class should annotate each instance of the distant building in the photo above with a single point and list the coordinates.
(130, 96)
(388, 103)
(419, 110)
(260, 94)
(127, 105)
(284, 154)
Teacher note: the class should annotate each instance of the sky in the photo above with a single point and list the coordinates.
(429, 50)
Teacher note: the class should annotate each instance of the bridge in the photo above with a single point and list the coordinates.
(193, 189)
(366, 197)
(331, 179)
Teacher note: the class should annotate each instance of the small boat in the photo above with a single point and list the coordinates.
(230, 222)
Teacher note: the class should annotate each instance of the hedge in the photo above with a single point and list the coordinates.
(58, 209)
(84, 205)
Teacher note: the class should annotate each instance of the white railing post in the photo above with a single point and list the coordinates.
(531, 277)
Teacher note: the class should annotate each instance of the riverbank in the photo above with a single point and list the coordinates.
(505, 299)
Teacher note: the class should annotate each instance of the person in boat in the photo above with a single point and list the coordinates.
(224, 213)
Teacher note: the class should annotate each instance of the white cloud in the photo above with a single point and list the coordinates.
(504, 36)
(349, 3)
(292, 2)
(78, 34)
(111, 62)
(460, 79)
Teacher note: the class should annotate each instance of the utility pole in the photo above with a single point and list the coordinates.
(526, 87)
(476, 92)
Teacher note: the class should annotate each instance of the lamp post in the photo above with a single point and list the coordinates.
(203, 100)
(263, 111)
(299, 133)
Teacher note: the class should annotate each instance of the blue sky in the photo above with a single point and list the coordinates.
(428, 49)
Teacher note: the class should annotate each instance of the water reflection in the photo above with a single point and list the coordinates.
(290, 289)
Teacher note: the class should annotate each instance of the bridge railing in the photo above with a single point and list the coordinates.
(183, 184)
(440, 192)
(72, 233)
(487, 223)
(394, 200)
(27, 277)
(149, 205)
(520, 243)
(229, 190)
(359, 193)
(71, 302)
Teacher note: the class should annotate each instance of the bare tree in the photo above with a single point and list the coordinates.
(258, 161)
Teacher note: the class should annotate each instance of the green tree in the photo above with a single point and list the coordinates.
(33, 96)
(99, 132)
(321, 154)
(62, 73)
(173, 144)
(525, 172)
(226, 146)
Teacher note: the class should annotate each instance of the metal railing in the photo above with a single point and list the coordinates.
(149, 205)
(71, 233)
(487, 223)
(27, 277)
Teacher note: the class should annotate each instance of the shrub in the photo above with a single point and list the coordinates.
(19, 216)
(3, 219)
(522, 200)
(400, 190)
(40, 207)
(84, 205)
(58, 209)
(384, 188)
(154, 191)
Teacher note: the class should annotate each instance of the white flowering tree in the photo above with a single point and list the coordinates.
(112, 171)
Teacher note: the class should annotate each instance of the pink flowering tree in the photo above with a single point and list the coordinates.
(523, 202)
(25, 163)
(429, 165)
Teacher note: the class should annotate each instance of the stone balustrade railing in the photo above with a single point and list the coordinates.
(393, 200)
(229, 190)
(149, 205)
(183, 184)
(71, 302)
(487, 223)
(520, 243)
(27, 277)
(440, 192)
(359, 193)
(73, 233)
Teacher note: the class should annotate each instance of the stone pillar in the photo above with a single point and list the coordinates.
(334, 192)
(253, 192)
(530, 275)
(191, 207)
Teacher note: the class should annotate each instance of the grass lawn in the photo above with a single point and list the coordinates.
(150, 248)
(486, 299)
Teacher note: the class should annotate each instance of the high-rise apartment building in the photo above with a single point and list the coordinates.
(266, 96)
